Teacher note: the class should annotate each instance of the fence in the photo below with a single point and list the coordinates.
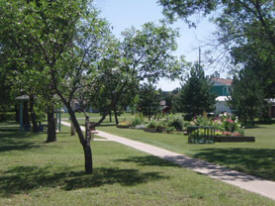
(201, 135)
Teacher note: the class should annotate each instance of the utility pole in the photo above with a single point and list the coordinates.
(199, 57)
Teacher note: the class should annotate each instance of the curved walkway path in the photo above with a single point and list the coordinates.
(250, 183)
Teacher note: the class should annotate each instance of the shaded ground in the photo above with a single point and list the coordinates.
(258, 162)
(22, 179)
(12, 139)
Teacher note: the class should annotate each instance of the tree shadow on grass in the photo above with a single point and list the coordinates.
(24, 179)
(257, 162)
(148, 161)
(12, 139)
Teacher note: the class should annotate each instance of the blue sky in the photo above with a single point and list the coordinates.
(123, 14)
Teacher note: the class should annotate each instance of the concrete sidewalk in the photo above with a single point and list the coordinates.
(244, 181)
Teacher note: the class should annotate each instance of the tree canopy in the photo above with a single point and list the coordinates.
(62, 51)
(246, 28)
(196, 96)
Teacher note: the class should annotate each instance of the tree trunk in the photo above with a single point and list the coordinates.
(17, 113)
(116, 117)
(72, 129)
(26, 120)
(35, 127)
(102, 119)
(85, 142)
(110, 116)
(87, 148)
(51, 125)
(88, 158)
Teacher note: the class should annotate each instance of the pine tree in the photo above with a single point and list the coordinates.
(149, 100)
(196, 96)
(247, 99)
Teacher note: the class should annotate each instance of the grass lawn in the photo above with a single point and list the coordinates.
(97, 116)
(253, 158)
(37, 173)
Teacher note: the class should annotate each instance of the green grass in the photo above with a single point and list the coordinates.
(33, 172)
(94, 117)
(97, 116)
(253, 158)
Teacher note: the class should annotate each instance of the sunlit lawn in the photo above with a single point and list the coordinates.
(33, 172)
(253, 158)
(97, 116)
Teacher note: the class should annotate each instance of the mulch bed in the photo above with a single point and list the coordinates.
(123, 126)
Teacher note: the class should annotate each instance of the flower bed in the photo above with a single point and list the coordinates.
(124, 124)
(225, 125)
(234, 139)
(150, 130)
(227, 129)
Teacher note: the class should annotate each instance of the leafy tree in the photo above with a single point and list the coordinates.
(247, 98)
(62, 43)
(246, 29)
(196, 96)
(147, 53)
(257, 55)
(149, 100)
(27, 31)
(233, 18)
(5, 91)
(142, 55)
(73, 73)
(114, 88)
(59, 42)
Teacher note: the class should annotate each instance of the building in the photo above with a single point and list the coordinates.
(222, 89)
(271, 107)
(221, 105)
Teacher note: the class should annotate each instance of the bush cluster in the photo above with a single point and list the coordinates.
(7, 116)
(173, 123)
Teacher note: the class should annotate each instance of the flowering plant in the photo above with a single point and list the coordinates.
(224, 124)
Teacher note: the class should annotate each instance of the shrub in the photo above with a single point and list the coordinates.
(176, 123)
(7, 116)
(188, 117)
(170, 129)
(229, 125)
(137, 121)
(218, 133)
(152, 125)
(201, 121)
(186, 124)
(161, 126)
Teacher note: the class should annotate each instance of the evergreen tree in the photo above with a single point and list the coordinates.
(149, 100)
(196, 96)
(247, 97)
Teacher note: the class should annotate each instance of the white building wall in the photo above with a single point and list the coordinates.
(222, 106)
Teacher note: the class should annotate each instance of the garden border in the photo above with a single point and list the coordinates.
(234, 139)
